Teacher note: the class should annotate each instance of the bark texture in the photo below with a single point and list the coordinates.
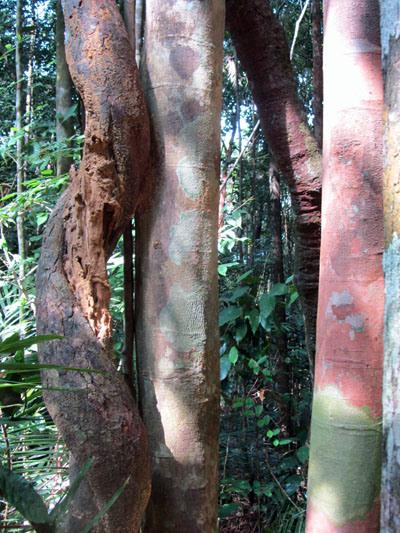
(265, 58)
(64, 126)
(316, 14)
(390, 495)
(95, 412)
(344, 471)
(177, 293)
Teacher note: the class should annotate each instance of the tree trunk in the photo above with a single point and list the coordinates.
(277, 276)
(19, 156)
(64, 126)
(95, 412)
(390, 19)
(344, 472)
(177, 291)
(316, 14)
(265, 58)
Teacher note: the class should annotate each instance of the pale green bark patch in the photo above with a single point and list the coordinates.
(344, 474)
(182, 320)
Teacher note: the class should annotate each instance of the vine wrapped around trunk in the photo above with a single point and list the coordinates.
(95, 412)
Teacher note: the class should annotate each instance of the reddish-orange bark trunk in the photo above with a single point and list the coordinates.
(263, 51)
(346, 432)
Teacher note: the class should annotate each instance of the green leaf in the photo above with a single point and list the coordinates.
(238, 293)
(233, 355)
(267, 305)
(254, 318)
(278, 289)
(240, 333)
(293, 298)
(46, 172)
(13, 343)
(284, 442)
(223, 269)
(264, 421)
(225, 366)
(21, 494)
(302, 454)
(258, 409)
(227, 509)
(229, 314)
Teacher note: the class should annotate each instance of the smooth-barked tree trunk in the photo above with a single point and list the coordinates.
(390, 494)
(177, 291)
(95, 412)
(64, 122)
(263, 51)
(345, 450)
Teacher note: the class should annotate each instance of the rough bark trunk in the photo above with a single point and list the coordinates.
(265, 58)
(95, 412)
(344, 472)
(64, 126)
(177, 292)
(390, 518)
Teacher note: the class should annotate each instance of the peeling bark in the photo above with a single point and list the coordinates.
(95, 412)
(345, 449)
(177, 292)
(265, 58)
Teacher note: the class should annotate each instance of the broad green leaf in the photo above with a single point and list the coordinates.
(264, 421)
(223, 269)
(225, 366)
(259, 409)
(302, 454)
(229, 314)
(254, 318)
(233, 355)
(278, 289)
(267, 305)
(240, 333)
(227, 509)
(238, 293)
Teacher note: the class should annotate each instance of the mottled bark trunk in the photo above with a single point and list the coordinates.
(177, 292)
(344, 472)
(316, 13)
(64, 126)
(95, 412)
(265, 58)
(390, 495)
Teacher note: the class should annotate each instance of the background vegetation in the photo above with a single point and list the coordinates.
(265, 376)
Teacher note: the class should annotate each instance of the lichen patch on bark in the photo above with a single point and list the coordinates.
(344, 472)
